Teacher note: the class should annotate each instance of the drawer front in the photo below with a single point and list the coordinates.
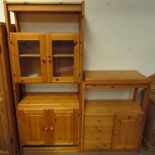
(98, 132)
(98, 122)
(96, 145)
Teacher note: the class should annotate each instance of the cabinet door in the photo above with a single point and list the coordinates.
(127, 131)
(66, 127)
(28, 57)
(34, 127)
(63, 57)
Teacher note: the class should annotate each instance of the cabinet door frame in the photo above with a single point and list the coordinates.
(49, 56)
(14, 37)
(22, 124)
(139, 122)
(73, 114)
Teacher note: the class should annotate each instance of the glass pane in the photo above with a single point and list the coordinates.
(28, 47)
(63, 47)
(63, 67)
(30, 67)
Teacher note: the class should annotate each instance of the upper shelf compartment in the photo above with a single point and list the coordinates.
(46, 16)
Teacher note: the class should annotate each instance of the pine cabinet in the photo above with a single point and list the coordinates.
(46, 45)
(50, 121)
(114, 124)
(51, 57)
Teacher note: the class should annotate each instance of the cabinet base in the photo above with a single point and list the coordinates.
(51, 149)
(111, 150)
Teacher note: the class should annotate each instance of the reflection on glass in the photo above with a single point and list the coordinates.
(28, 47)
(63, 67)
(30, 67)
(63, 47)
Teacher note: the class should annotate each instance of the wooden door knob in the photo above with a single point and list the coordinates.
(51, 128)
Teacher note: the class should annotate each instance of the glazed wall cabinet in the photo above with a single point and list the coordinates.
(50, 57)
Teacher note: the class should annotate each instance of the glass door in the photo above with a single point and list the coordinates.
(28, 52)
(63, 57)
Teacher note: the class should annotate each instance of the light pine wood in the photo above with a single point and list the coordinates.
(99, 107)
(115, 77)
(66, 127)
(50, 100)
(98, 132)
(15, 37)
(81, 55)
(126, 131)
(44, 8)
(128, 116)
(33, 127)
(73, 77)
(56, 119)
(45, 57)
(64, 108)
(43, 149)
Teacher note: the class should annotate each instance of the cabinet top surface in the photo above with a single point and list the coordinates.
(43, 2)
(50, 100)
(115, 77)
(102, 107)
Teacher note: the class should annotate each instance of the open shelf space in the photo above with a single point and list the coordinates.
(50, 100)
(103, 107)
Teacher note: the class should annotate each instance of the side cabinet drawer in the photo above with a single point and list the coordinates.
(98, 132)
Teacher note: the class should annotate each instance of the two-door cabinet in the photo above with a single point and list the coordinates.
(45, 57)
(49, 119)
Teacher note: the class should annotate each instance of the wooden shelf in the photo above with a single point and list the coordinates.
(105, 107)
(116, 77)
(30, 55)
(49, 101)
(63, 55)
